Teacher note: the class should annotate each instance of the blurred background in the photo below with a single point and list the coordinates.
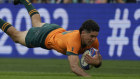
(119, 38)
(76, 1)
(118, 19)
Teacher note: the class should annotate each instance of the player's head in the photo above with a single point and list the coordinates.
(89, 31)
(89, 25)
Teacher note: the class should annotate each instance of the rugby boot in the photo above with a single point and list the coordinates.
(16, 2)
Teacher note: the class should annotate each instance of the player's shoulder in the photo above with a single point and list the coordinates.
(74, 36)
(74, 39)
(96, 41)
(73, 31)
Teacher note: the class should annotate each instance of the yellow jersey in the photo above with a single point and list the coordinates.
(67, 41)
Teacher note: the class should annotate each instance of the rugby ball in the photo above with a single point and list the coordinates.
(91, 52)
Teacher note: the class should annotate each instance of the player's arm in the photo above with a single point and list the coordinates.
(96, 61)
(74, 65)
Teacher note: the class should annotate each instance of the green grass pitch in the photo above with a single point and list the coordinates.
(11, 68)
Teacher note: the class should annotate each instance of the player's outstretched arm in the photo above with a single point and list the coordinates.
(74, 60)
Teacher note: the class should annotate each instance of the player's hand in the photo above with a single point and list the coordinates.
(93, 60)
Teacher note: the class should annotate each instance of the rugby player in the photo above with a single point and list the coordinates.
(52, 36)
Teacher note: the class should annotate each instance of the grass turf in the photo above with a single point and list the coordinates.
(11, 68)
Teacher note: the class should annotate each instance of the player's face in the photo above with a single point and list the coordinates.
(88, 38)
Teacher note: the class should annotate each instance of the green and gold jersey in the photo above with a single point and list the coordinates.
(67, 42)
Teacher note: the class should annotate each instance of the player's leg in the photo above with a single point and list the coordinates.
(17, 36)
(34, 14)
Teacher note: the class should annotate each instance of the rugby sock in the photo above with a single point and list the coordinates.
(29, 7)
(4, 25)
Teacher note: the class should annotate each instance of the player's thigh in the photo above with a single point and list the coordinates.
(21, 37)
(38, 24)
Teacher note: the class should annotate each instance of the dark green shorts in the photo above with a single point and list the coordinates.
(36, 35)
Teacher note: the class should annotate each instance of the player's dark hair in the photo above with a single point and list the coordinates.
(89, 25)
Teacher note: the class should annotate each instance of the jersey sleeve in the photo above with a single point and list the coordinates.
(70, 53)
(73, 46)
